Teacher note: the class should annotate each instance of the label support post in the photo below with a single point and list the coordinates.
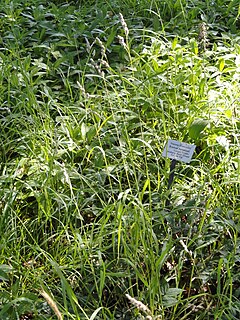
(176, 151)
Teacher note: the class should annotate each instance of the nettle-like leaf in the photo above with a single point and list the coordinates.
(196, 127)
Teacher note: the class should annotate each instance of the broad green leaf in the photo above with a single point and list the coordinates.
(111, 37)
(156, 23)
(3, 276)
(171, 297)
(4, 270)
(221, 64)
(169, 301)
(194, 47)
(84, 130)
(174, 43)
(196, 127)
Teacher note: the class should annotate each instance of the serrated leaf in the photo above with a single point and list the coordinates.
(196, 128)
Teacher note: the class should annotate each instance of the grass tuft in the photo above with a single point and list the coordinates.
(90, 93)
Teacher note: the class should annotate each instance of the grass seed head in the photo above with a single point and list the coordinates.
(203, 36)
(124, 25)
(122, 42)
(138, 304)
(101, 45)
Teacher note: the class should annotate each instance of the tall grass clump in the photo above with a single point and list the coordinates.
(90, 93)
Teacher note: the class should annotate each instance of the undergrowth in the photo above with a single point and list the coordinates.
(90, 93)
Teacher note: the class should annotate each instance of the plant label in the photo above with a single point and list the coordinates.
(177, 150)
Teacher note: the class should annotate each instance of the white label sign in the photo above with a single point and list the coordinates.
(178, 150)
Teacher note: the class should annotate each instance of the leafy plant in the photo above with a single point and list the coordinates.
(90, 92)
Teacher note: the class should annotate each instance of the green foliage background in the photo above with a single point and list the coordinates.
(90, 93)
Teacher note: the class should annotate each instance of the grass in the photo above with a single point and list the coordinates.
(90, 93)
